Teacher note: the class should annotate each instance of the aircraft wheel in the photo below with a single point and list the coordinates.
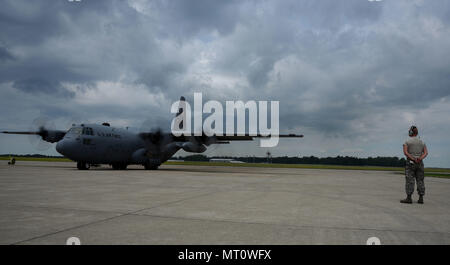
(82, 166)
(150, 166)
(118, 166)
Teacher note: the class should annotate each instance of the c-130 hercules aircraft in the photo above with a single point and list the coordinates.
(94, 144)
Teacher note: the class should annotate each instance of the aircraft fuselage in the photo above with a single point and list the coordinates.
(100, 144)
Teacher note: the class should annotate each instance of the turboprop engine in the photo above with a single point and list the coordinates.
(193, 147)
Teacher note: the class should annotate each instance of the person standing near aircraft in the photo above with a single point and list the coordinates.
(415, 151)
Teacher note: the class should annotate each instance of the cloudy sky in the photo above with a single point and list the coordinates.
(351, 75)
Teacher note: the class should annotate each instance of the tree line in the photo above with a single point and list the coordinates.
(385, 161)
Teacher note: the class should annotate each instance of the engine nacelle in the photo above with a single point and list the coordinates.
(139, 156)
(193, 147)
(52, 136)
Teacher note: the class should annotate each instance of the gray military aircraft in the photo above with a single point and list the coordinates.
(93, 144)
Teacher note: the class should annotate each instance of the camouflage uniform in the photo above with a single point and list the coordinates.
(414, 172)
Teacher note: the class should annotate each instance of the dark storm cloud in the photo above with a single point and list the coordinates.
(59, 42)
(39, 85)
(115, 34)
(26, 26)
(329, 14)
(5, 55)
(359, 68)
(188, 18)
(439, 9)
(31, 22)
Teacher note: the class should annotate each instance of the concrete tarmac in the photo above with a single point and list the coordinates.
(46, 203)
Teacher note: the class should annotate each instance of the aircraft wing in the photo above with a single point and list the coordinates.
(159, 141)
(247, 137)
(225, 139)
(160, 137)
(51, 136)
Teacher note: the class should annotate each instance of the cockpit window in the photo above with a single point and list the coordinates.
(75, 131)
(88, 131)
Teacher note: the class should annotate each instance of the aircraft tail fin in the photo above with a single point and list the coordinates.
(181, 107)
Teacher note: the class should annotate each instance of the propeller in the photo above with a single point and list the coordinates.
(39, 131)
(156, 137)
(156, 140)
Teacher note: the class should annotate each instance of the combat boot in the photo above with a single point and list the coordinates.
(407, 200)
(420, 199)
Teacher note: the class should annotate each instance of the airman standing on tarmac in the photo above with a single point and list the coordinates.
(415, 151)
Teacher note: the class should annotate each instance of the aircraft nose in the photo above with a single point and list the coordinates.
(61, 147)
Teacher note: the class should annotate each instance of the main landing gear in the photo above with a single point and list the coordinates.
(151, 166)
(119, 166)
(83, 166)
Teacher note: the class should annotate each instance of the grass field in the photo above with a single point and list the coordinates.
(438, 175)
(43, 159)
(429, 172)
(283, 165)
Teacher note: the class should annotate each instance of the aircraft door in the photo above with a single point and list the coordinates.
(88, 143)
